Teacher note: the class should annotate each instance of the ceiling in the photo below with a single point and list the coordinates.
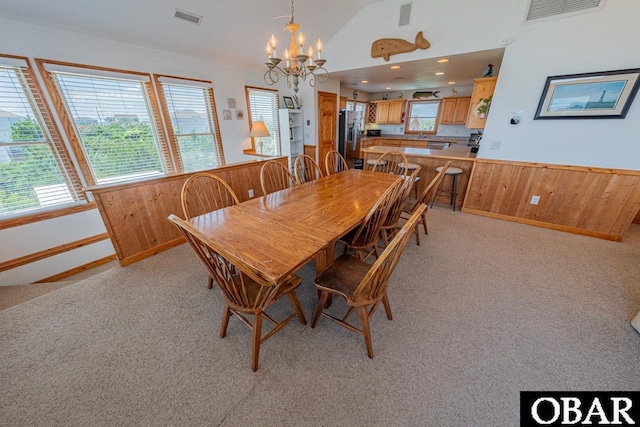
(237, 31)
(421, 74)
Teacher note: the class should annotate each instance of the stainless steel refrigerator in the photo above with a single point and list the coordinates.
(349, 132)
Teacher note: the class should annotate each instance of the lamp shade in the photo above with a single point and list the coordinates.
(258, 129)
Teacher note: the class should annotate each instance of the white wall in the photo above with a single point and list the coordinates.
(43, 42)
(599, 41)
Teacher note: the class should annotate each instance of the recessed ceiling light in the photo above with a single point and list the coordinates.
(395, 67)
(452, 83)
(364, 81)
(443, 60)
(439, 73)
(388, 88)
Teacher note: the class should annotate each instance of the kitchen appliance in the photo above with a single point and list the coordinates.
(348, 132)
(374, 132)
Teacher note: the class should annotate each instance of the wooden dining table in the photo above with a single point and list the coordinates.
(276, 234)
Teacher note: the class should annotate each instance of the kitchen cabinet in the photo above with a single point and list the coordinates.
(454, 111)
(482, 90)
(387, 112)
(343, 102)
(291, 134)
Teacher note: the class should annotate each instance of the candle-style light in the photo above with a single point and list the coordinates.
(296, 67)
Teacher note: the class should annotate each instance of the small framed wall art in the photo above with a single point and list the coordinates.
(288, 102)
(602, 95)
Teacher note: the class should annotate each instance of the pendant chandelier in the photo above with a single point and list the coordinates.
(296, 67)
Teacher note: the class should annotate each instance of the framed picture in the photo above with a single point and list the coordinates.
(603, 95)
(288, 102)
(226, 114)
(239, 114)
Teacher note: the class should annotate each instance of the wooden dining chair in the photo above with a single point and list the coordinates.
(390, 163)
(427, 195)
(361, 284)
(363, 240)
(334, 162)
(243, 290)
(205, 192)
(274, 176)
(306, 169)
(389, 227)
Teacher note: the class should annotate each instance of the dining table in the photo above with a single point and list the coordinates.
(276, 234)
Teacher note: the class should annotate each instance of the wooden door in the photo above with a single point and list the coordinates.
(327, 119)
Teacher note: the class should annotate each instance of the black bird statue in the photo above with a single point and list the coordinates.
(489, 71)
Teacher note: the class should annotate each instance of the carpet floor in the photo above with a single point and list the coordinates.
(482, 310)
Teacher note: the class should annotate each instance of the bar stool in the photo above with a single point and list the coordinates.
(452, 172)
(410, 168)
(372, 162)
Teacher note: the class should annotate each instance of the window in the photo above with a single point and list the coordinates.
(422, 116)
(263, 106)
(190, 114)
(361, 107)
(114, 120)
(35, 170)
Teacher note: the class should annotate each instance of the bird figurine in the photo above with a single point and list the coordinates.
(489, 71)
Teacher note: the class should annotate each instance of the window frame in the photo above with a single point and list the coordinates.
(172, 137)
(436, 118)
(247, 89)
(66, 162)
(165, 152)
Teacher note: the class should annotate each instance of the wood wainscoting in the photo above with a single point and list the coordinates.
(135, 214)
(591, 201)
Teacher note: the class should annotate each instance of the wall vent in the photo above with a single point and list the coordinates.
(405, 15)
(539, 9)
(187, 16)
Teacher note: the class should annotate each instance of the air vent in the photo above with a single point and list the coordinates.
(539, 9)
(187, 16)
(405, 15)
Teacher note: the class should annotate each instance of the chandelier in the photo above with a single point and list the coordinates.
(295, 67)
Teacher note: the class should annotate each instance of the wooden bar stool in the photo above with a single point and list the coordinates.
(453, 173)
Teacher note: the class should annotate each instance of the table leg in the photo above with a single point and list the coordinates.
(323, 259)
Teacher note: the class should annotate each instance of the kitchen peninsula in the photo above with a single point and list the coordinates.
(429, 160)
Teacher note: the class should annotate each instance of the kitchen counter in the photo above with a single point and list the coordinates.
(454, 151)
(456, 139)
(429, 160)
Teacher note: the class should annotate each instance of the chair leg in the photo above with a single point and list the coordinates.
(210, 283)
(417, 231)
(366, 331)
(424, 222)
(385, 238)
(321, 301)
(387, 307)
(255, 341)
(225, 321)
(296, 306)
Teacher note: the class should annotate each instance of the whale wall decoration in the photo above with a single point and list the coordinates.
(384, 48)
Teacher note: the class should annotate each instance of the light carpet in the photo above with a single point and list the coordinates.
(482, 310)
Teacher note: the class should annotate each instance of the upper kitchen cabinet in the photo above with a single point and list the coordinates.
(386, 112)
(454, 111)
(480, 102)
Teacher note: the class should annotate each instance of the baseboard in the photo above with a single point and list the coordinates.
(544, 225)
(76, 270)
(150, 252)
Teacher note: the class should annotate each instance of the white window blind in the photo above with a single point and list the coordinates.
(263, 106)
(115, 125)
(191, 111)
(422, 116)
(35, 171)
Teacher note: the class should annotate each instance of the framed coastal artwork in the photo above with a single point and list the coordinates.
(602, 95)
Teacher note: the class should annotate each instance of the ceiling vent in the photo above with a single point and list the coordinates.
(187, 16)
(539, 9)
(405, 15)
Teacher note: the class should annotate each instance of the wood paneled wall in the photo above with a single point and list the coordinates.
(135, 214)
(591, 201)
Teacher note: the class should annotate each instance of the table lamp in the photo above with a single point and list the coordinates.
(259, 130)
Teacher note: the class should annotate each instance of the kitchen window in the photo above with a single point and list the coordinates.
(114, 119)
(36, 173)
(422, 117)
(263, 106)
(190, 114)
